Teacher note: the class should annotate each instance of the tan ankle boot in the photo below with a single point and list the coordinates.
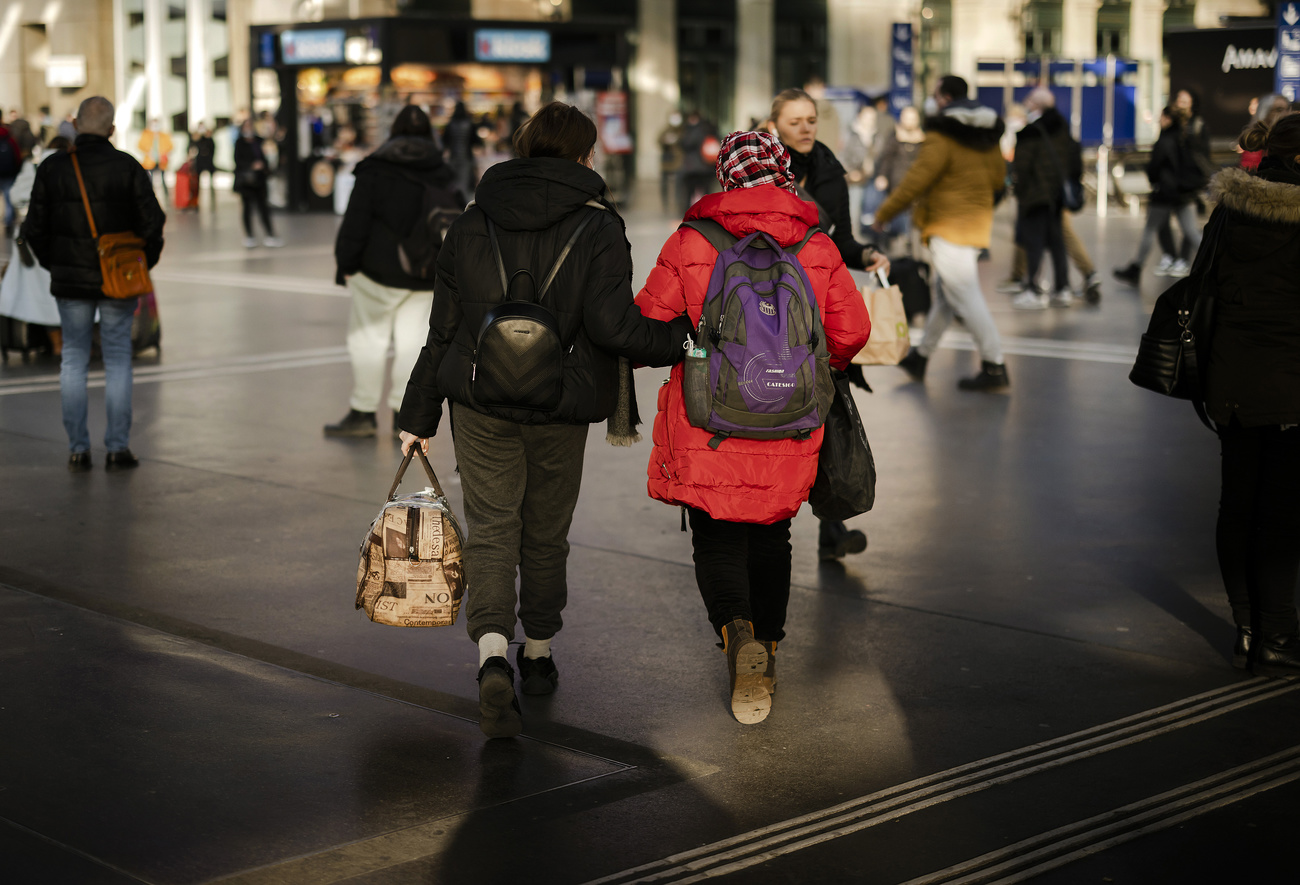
(746, 663)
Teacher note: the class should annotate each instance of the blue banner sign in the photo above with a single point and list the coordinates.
(1287, 74)
(902, 64)
(312, 47)
(512, 46)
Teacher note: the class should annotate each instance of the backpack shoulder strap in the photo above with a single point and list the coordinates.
(718, 236)
(564, 253)
(812, 231)
(496, 250)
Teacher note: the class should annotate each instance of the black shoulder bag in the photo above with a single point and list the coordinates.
(1173, 353)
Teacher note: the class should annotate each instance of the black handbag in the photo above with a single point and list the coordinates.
(846, 473)
(1174, 350)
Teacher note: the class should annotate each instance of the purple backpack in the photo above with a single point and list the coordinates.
(760, 368)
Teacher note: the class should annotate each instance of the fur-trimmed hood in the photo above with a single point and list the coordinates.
(970, 124)
(1272, 195)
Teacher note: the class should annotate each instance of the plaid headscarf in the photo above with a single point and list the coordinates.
(748, 159)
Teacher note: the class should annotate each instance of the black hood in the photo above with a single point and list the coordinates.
(970, 124)
(411, 152)
(1051, 123)
(536, 194)
(817, 166)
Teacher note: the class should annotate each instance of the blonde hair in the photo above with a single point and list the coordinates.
(784, 97)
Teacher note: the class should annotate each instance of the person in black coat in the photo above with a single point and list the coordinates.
(1175, 179)
(1253, 395)
(820, 179)
(204, 150)
(521, 467)
(250, 182)
(389, 304)
(58, 231)
(1046, 157)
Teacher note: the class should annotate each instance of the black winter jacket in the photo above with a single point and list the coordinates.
(121, 198)
(1172, 170)
(535, 205)
(821, 177)
(1046, 156)
(1254, 368)
(384, 206)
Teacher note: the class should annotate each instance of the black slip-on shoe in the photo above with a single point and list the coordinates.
(1241, 648)
(79, 462)
(536, 675)
(354, 423)
(1276, 655)
(498, 708)
(122, 460)
(914, 364)
(992, 376)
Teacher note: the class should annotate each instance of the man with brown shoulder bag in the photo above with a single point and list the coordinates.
(96, 225)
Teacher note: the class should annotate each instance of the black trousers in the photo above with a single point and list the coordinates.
(1039, 231)
(743, 570)
(1258, 534)
(255, 199)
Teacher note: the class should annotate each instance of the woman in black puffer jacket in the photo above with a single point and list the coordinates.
(520, 468)
(1253, 395)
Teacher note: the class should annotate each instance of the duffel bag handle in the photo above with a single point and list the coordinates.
(401, 471)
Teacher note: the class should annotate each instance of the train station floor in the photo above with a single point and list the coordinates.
(1025, 678)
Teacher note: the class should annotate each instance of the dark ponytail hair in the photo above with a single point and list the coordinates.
(558, 130)
(412, 120)
(1279, 136)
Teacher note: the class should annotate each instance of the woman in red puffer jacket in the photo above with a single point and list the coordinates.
(741, 496)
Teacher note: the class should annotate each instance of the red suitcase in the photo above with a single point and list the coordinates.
(187, 187)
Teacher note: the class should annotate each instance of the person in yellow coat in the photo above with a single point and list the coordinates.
(155, 145)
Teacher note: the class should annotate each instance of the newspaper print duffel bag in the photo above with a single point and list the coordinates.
(411, 573)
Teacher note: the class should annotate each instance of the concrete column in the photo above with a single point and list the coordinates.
(858, 41)
(983, 29)
(237, 37)
(654, 80)
(755, 59)
(154, 61)
(1079, 28)
(1146, 45)
(198, 67)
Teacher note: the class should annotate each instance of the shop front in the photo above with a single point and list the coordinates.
(326, 93)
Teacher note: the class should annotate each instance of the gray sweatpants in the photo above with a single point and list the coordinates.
(520, 485)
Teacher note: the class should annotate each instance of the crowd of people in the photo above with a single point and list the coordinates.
(427, 268)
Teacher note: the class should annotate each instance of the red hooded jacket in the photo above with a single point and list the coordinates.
(743, 480)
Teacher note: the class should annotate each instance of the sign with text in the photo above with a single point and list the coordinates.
(902, 63)
(312, 47)
(1286, 76)
(512, 46)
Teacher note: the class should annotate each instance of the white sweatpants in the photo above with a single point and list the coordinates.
(957, 293)
(380, 314)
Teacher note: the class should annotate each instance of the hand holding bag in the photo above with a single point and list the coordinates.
(890, 333)
(121, 255)
(1175, 348)
(846, 473)
(410, 573)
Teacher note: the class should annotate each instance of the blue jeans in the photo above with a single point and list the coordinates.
(78, 318)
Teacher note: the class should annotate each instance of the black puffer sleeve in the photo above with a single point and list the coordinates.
(422, 404)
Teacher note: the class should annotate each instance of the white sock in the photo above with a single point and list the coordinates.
(492, 645)
(537, 648)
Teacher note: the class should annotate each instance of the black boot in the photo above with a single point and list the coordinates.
(1130, 274)
(914, 364)
(992, 376)
(835, 540)
(1241, 648)
(354, 423)
(1277, 654)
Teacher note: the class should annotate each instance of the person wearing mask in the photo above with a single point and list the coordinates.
(1046, 157)
(1175, 261)
(203, 148)
(958, 172)
(459, 139)
(1253, 394)
(820, 179)
(388, 304)
(121, 199)
(897, 154)
(155, 152)
(251, 183)
(521, 469)
(1174, 182)
(740, 495)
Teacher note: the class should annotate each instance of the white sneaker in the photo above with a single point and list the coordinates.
(1030, 300)
(1010, 287)
(250, 242)
(273, 242)
(1165, 265)
(1179, 269)
(1062, 298)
